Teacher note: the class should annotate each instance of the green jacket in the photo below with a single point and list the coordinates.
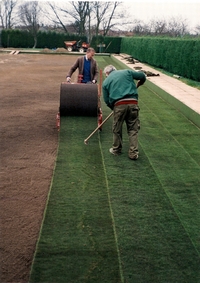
(120, 84)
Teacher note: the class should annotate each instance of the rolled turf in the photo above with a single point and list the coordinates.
(110, 219)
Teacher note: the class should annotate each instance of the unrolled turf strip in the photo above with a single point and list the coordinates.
(156, 203)
(77, 242)
(110, 219)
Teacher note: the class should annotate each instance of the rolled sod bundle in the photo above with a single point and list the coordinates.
(78, 99)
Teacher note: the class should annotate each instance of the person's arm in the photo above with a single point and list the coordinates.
(106, 97)
(140, 76)
(95, 73)
(72, 70)
(139, 83)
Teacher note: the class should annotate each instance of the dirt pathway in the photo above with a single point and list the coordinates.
(29, 92)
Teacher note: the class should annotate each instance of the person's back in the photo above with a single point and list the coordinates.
(120, 84)
(121, 95)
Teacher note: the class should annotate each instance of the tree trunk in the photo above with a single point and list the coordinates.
(35, 42)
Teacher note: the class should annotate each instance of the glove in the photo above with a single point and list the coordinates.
(68, 79)
(94, 81)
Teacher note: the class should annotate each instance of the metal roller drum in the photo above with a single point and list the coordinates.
(78, 99)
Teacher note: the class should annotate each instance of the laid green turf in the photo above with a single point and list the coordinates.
(77, 242)
(110, 219)
(156, 204)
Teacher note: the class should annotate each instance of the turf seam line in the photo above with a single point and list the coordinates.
(157, 175)
(180, 145)
(185, 229)
(172, 105)
(168, 130)
(112, 215)
(45, 210)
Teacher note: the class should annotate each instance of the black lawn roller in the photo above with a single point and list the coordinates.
(78, 99)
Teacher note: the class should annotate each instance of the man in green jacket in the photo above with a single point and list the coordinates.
(121, 95)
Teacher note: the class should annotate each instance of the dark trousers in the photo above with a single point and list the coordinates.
(130, 114)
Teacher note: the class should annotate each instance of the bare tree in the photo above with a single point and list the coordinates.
(197, 29)
(89, 23)
(80, 14)
(87, 16)
(137, 27)
(6, 13)
(174, 27)
(29, 14)
(177, 27)
(76, 12)
(57, 19)
(109, 16)
(158, 27)
(100, 9)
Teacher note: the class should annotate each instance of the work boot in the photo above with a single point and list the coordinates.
(133, 156)
(114, 152)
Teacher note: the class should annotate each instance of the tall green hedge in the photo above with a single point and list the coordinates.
(111, 44)
(178, 56)
(16, 39)
(50, 39)
(23, 39)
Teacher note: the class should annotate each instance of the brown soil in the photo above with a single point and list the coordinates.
(30, 93)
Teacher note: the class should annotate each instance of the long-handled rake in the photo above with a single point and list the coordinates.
(99, 126)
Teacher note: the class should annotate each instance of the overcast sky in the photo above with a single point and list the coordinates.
(165, 9)
(146, 10)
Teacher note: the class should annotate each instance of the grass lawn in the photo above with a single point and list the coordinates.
(110, 219)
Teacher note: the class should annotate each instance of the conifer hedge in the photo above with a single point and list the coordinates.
(23, 39)
(178, 56)
(50, 39)
(110, 44)
(16, 39)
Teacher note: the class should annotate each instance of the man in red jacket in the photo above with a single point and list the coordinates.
(87, 66)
